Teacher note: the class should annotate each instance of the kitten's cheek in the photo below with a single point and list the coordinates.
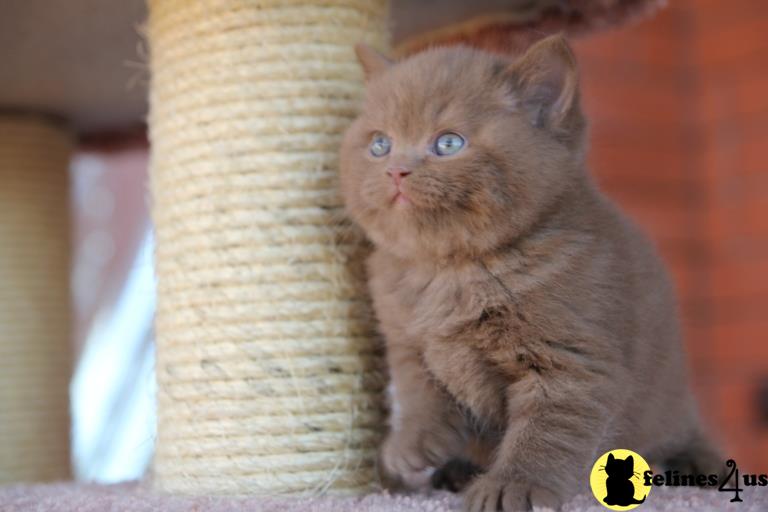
(367, 189)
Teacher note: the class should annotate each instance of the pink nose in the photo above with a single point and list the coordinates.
(397, 174)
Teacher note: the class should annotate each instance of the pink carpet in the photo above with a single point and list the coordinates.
(66, 497)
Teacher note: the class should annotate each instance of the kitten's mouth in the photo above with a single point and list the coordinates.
(400, 198)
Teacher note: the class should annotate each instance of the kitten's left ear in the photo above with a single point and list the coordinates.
(371, 60)
(546, 81)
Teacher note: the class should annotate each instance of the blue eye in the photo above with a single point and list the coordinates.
(380, 145)
(449, 144)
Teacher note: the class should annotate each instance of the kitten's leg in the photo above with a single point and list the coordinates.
(554, 424)
(427, 427)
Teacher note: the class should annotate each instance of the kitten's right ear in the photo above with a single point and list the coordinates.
(371, 60)
(545, 81)
(611, 458)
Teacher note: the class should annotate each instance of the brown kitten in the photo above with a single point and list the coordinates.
(523, 313)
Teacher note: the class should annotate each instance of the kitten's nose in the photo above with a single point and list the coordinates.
(398, 173)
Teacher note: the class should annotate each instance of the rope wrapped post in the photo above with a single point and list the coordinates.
(35, 316)
(267, 370)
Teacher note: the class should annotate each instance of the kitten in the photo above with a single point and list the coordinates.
(530, 327)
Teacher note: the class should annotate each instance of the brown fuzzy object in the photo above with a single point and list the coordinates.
(523, 23)
(522, 312)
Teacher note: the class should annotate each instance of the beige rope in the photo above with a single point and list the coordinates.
(35, 344)
(268, 377)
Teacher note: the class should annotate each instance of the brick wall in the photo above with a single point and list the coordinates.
(679, 114)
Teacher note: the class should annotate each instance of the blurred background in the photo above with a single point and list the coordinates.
(678, 106)
(679, 115)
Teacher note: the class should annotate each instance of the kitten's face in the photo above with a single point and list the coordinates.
(455, 153)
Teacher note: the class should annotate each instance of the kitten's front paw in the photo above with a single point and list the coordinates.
(489, 493)
(410, 455)
(404, 461)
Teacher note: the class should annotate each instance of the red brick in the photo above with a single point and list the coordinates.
(735, 400)
(696, 342)
(685, 280)
(735, 158)
(677, 137)
(645, 44)
(734, 41)
(711, 15)
(695, 313)
(739, 344)
(739, 249)
(754, 157)
(747, 446)
(732, 97)
(734, 221)
(646, 100)
(736, 309)
(691, 254)
(678, 223)
(641, 162)
(740, 278)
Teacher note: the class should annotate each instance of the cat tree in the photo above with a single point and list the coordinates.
(267, 371)
(35, 351)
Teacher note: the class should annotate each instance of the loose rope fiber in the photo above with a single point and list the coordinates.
(267, 369)
(35, 344)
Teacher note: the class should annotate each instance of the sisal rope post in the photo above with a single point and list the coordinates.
(267, 370)
(35, 321)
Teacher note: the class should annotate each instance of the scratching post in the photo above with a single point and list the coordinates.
(35, 341)
(266, 366)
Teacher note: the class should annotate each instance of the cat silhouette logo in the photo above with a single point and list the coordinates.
(616, 480)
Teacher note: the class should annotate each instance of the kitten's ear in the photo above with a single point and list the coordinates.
(371, 60)
(546, 81)
(631, 460)
(611, 458)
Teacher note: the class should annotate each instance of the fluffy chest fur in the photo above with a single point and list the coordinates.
(422, 303)
(473, 331)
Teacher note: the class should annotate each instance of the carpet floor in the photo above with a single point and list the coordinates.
(69, 497)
